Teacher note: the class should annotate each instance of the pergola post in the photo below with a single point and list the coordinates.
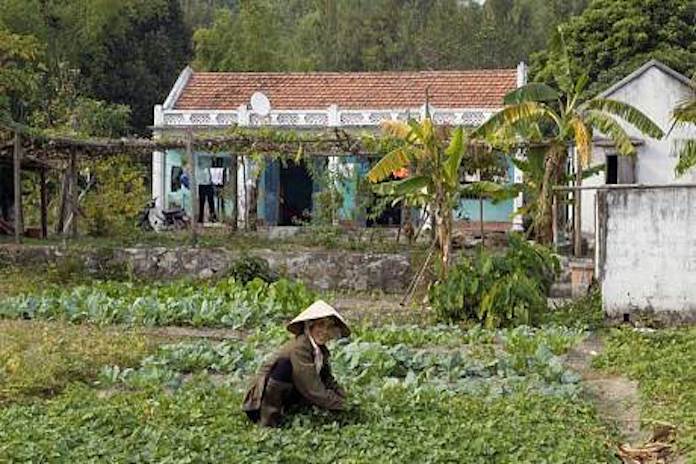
(73, 194)
(44, 205)
(233, 188)
(17, 178)
(191, 157)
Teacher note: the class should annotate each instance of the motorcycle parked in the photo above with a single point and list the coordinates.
(153, 218)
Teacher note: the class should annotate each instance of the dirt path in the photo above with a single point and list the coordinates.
(616, 397)
(383, 310)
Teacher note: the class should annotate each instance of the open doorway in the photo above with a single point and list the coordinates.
(295, 194)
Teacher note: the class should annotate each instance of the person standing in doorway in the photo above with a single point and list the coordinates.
(206, 192)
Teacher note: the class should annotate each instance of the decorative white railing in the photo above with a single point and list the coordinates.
(330, 117)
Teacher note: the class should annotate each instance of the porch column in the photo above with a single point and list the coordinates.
(159, 178)
(518, 202)
(191, 156)
(235, 191)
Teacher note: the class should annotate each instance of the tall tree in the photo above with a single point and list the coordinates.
(612, 38)
(125, 51)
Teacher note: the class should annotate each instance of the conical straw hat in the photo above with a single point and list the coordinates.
(318, 310)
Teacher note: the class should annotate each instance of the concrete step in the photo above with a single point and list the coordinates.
(561, 290)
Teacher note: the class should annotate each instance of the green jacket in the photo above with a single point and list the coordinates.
(321, 389)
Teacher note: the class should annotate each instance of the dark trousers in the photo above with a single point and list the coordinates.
(205, 192)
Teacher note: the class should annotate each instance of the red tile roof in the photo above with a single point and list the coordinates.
(359, 90)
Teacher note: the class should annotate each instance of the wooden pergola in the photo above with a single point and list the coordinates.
(37, 150)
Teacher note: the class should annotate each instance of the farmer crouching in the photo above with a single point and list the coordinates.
(300, 371)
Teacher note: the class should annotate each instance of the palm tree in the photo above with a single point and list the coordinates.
(434, 155)
(561, 118)
(683, 115)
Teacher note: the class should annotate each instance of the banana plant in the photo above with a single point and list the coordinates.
(434, 155)
(684, 115)
(559, 118)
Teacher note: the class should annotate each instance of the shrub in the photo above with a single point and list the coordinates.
(248, 268)
(497, 290)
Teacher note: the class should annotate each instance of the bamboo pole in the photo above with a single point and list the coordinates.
(17, 180)
(44, 205)
(191, 157)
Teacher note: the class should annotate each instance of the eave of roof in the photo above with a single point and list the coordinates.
(640, 71)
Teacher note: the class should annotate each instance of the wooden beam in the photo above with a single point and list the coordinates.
(44, 205)
(193, 183)
(17, 179)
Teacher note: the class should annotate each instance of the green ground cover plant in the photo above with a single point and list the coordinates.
(412, 399)
(664, 364)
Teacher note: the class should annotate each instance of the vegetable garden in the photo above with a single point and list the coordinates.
(86, 377)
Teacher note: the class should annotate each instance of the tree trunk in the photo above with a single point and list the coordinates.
(443, 222)
(554, 167)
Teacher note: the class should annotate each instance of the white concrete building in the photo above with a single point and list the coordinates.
(655, 89)
(316, 101)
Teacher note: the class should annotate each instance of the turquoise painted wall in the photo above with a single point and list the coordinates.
(492, 212)
(269, 183)
(349, 188)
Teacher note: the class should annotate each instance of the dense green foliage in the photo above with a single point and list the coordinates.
(127, 52)
(498, 290)
(352, 35)
(225, 303)
(612, 38)
(664, 364)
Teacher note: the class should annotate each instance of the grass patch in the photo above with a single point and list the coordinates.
(581, 312)
(664, 364)
(40, 359)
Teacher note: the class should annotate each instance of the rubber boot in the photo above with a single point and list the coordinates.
(274, 400)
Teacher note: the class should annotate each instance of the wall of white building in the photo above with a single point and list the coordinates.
(646, 258)
(655, 93)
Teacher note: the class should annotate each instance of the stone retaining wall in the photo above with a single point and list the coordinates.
(322, 270)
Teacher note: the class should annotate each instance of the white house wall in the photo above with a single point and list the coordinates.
(655, 93)
(647, 261)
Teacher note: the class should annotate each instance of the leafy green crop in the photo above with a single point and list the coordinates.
(226, 303)
(503, 398)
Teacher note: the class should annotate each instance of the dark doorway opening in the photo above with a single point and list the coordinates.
(391, 216)
(612, 169)
(295, 194)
